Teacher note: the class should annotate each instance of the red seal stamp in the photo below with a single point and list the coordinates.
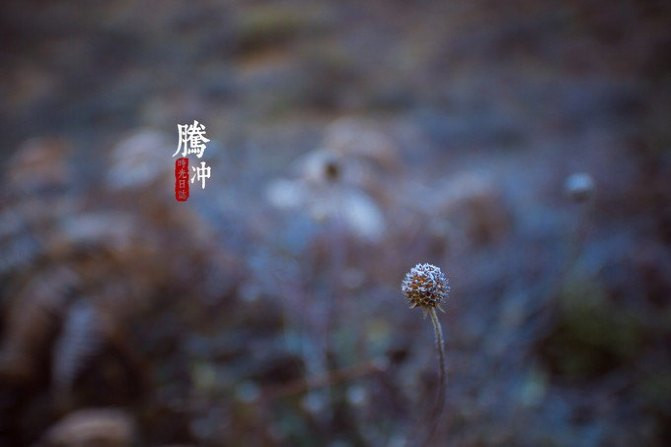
(182, 179)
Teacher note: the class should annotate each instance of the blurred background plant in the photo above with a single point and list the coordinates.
(522, 146)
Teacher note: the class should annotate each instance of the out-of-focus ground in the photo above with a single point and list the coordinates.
(349, 141)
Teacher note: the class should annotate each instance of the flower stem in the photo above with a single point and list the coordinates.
(440, 398)
(440, 347)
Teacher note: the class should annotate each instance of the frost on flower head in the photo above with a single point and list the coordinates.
(425, 286)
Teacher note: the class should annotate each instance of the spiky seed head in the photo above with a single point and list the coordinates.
(425, 286)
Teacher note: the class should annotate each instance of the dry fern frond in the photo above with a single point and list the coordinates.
(20, 248)
(81, 337)
(32, 319)
(40, 165)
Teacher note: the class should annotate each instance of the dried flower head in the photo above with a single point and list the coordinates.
(425, 286)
